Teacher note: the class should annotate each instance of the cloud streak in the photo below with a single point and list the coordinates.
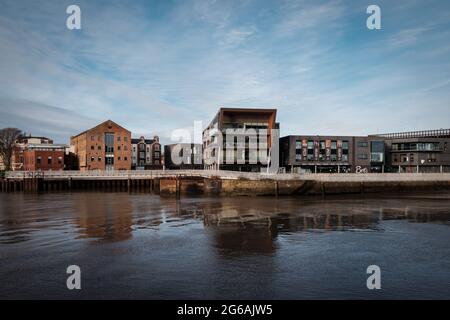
(158, 66)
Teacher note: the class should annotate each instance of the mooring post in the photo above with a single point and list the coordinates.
(177, 187)
(276, 188)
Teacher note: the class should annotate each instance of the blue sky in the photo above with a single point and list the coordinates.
(156, 66)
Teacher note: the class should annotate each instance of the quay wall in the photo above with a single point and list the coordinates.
(262, 185)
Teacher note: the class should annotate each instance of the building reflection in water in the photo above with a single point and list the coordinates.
(110, 218)
(238, 226)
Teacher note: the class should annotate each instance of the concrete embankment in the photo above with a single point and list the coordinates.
(250, 185)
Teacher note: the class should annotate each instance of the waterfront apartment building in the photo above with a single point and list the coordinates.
(188, 156)
(106, 146)
(417, 151)
(341, 154)
(146, 154)
(249, 143)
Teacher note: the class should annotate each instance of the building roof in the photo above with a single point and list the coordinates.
(246, 110)
(23, 138)
(45, 146)
(147, 141)
(115, 123)
(439, 133)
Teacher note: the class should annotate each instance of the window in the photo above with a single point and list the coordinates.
(310, 144)
(118, 158)
(345, 157)
(49, 160)
(59, 160)
(92, 147)
(377, 151)
(333, 157)
(333, 145)
(362, 156)
(156, 155)
(322, 144)
(431, 157)
(39, 160)
(125, 159)
(298, 144)
(92, 138)
(345, 145)
(125, 138)
(99, 148)
(118, 138)
(109, 142)
(156, 147)
(92, 159)
(118, 148)
(99, 159)
(363, 144)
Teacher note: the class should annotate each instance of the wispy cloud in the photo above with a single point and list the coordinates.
(157, 66)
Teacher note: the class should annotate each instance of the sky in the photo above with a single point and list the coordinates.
(158, 66)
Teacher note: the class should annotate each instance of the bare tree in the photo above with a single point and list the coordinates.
(8, 138)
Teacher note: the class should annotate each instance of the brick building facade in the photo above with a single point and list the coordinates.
(107, 146)
(43, 157)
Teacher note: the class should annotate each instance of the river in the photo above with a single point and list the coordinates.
(142, 246)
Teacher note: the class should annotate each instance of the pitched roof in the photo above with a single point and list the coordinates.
(112, 122)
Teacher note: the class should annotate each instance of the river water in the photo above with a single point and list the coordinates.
(141, 246)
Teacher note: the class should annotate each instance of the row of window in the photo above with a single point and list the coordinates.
(49, 160)
(404, 157)
(109, 149)
(142, 147)
(100, 159)
(332, 157)
(420, 146)
(108, 135)
(322, 144)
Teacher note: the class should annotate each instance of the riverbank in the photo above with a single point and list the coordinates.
(222, 183)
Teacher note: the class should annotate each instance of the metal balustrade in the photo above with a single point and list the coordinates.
(222, 174)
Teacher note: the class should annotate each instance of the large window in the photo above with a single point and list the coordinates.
(377, 151)
(416, 146)
(109, 142)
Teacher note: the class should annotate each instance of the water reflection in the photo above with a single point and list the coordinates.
(109, 219)
(238, 225)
